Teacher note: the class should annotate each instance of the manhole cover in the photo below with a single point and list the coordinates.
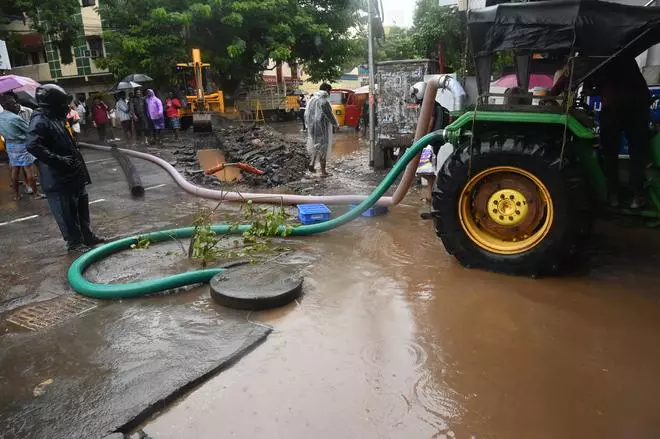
(255, 287)
(50, 312)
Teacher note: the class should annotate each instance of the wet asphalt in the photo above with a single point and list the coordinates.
(392, 338)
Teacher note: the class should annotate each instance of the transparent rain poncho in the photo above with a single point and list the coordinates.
(319, 120)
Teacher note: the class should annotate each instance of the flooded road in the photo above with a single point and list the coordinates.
(345, 140)
(394, 339)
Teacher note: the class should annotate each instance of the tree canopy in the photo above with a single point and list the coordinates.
(238, 37)
(53, 17)
(432, 24)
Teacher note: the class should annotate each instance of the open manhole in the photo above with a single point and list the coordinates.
(50, 312)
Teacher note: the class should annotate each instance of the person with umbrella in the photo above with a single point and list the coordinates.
(64, 174)
(15, 131)
(81, 108)
(139, 107)
(124, 113)
(25, 112)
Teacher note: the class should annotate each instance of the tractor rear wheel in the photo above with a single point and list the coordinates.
(517, 212)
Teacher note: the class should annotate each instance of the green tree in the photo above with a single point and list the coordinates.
(433, 24)
(397, 44)
(237, 37)
(144, 36)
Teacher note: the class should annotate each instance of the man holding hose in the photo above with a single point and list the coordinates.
(63, 171)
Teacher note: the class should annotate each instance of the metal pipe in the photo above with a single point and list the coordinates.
(425, 117)
(423, 123)
(372, 118)
(211, 194)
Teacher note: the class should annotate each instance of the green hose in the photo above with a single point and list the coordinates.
(135, 289)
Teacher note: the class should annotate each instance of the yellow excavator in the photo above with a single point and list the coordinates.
(203, 96)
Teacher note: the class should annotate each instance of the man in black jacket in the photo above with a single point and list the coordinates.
(62, 168)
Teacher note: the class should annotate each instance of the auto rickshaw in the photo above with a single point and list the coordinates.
(347, 106)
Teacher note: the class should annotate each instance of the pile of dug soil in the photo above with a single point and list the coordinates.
(282, 158)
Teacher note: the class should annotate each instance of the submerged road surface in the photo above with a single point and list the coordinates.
(392, 338)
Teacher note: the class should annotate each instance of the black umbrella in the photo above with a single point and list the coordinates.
(138, 77)
(26, 99)
(124, 85)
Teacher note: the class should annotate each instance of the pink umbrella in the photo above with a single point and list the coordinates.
(535, 80)
(18, 83)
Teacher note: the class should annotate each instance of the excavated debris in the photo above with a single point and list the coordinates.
(283, 158)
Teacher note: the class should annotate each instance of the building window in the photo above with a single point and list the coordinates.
(88, 3)
(95, 47)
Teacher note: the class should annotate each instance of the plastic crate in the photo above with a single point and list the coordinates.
(373, 210)
(313, 213)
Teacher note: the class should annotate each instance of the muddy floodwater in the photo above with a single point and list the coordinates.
(393, 339)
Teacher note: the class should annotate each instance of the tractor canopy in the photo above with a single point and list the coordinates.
(595, 31)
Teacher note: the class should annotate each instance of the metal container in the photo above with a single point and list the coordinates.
(396, 113)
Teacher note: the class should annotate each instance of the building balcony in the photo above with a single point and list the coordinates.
(38, 72)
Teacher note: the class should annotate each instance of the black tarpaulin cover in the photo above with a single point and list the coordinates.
(591, 27)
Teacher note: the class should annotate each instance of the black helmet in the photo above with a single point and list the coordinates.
(53, 99)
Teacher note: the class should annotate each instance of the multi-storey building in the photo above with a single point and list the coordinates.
(40, 59)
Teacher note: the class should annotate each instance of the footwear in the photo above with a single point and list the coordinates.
(95, 240)
(78, 248)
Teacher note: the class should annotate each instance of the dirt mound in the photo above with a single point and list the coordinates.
(282, 158)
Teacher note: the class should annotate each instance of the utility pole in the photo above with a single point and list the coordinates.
(372, 119)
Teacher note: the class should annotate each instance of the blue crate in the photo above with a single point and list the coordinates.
(313, 213)
(373, 210)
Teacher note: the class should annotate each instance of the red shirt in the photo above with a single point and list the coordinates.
(100, 114)
(173, 106)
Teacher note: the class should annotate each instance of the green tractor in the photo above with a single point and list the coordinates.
(524, 184)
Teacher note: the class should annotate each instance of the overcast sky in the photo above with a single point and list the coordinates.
(400, 12)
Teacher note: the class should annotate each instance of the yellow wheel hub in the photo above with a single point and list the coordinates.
(506, 210)
(508, 207)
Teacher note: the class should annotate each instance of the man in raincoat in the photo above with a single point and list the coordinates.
(62, 168)
(319, 120)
